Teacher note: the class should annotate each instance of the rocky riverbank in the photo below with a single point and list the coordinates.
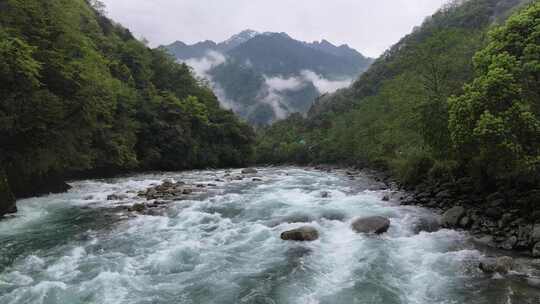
(507, 219)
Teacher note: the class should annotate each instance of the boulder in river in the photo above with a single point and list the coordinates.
(305, 233)
(426, 224)
(249, 171)
(452, 216)
(372, 224)
(501, 265)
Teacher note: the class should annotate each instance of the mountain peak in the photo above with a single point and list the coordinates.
(238, 39)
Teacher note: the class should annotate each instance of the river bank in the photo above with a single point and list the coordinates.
(506, 219)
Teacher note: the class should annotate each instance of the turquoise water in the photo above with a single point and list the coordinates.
(224, 247)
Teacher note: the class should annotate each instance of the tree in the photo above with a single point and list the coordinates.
(495, 124)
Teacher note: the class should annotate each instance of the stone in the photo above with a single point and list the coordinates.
(493, 213)
(443, 194)
(325, 194)
(372, 224)
(509, 243)
(116, 197)
(426, 224)
(305, 233)
(501, 265)
(452, 216)
(256, 179)
(137, 207)
(249, 171)
(465, 222)
(536, 250)
(386, 198)
(535, 235)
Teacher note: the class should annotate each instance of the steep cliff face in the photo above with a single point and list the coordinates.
(7, 200)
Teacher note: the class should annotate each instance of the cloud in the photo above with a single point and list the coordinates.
(275, 88)
(284, 84)
(201, 66)
(324, 85)
(369, 26)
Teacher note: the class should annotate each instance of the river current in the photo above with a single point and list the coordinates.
(224, 246)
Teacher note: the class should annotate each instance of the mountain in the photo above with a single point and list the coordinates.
(279, 75)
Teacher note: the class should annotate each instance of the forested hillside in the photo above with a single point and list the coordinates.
(80, 95)
(457, 97)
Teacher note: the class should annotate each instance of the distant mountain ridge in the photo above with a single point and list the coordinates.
(278, 75)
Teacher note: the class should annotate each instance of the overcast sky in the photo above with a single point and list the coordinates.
(370, 26)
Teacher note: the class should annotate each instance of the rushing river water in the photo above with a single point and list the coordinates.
(224, 247)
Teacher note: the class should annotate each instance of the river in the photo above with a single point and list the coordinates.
(224, 247)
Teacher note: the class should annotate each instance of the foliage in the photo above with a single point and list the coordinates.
(495, 124)
(80, 94)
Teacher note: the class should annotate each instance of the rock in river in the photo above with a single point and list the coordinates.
(249, 171)
(305, 233)
(501, 265)
(372, 224)
(451, 217)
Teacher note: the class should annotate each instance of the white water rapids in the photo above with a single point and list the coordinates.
(224, 247)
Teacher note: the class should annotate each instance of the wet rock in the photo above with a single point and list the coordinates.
(426, 224)
(501, 265)
(137, 208)
(494, 213)
(535, 234)
(444, 194)
(486, 240)
(372, 224)
(452, 217)
(249, 171)
(116, 197)
(465, 222)
(212, 185)
(536, 250)
(88, 197)
(256, 180)
(325, 194)
(187, 191)
(509, 243)
(306, 233)
(386, 198)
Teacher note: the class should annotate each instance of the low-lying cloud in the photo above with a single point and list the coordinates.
(274, 90)
(201, 66)
(324, 85)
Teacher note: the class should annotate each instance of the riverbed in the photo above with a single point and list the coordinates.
(223, 246)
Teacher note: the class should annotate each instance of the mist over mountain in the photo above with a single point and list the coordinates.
(267, 76)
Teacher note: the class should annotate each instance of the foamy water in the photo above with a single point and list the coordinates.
(224, 247)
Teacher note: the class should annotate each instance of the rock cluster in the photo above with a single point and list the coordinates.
(500, 219)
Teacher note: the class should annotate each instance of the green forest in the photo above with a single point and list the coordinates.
(458, 97)
(80, 96)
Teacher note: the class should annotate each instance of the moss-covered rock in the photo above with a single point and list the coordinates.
(7, 200)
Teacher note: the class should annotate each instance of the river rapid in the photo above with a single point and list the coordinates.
(224, 246)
